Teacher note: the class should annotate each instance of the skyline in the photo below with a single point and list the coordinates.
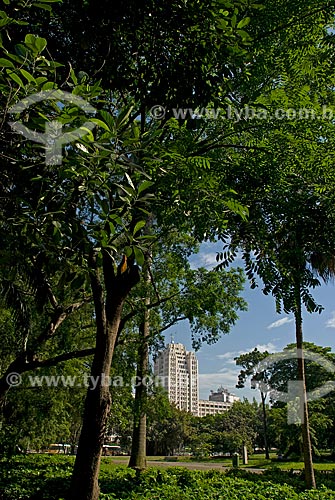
(260, 326)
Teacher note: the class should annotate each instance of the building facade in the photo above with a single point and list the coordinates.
(223, 395)
(177, 370)
(218, 402)
(178, 373)
(206, 407)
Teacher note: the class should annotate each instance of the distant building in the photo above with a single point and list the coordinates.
(218, 402)
(206, 407)
(223, 395)
(178, 371)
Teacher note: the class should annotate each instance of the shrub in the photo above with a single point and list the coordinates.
(43, 477)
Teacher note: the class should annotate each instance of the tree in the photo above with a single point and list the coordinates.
(283, 174)
(139, 48)
(139, 438)
(45, 408)
(283, 248)
(91, 229)
(235, 428)
(169, 429)
(273, 377)
(249, 363)
(26, 286)
(208, 300)
(97, 235)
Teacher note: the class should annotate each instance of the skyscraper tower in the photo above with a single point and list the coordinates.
(178, 371)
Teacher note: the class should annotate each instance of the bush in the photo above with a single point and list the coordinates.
(43, 477)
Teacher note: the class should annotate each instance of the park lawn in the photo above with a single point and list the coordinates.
(256, 461)
(259, 461)
(300, 465)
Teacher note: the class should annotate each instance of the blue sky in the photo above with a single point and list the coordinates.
(259, 327)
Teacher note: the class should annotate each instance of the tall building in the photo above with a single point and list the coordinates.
(178, 372)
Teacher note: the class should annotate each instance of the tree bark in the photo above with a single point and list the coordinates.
(138, 457)
(84, 484)
(306, 438)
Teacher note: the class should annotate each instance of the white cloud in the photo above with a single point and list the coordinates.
(208, 259)
(280, 322)
(270, 347)
(330, 323)
(203, 259)
(225, 377)
(228, 357)
(207, 256)
(228, 379)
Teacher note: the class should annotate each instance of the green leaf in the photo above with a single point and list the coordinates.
(129, 180)
(104, 205)
(30, 39)
(16, 79)
(138, 226)
(22, 51)
(123, 116)
(40, 43)
(143, 186)
(35, 43)
(108, 118)
(128, 251)
(111, 228)
(139, 256)
(5, 63)
(243, 34)
(42, 6)
(28, 76)
(244, 22)
(89, 135)
(101, 124)
(41, 79)
(48, 86)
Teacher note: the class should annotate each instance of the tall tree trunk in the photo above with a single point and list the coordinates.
(306, 438)
(84, 484)
(138, 457)
(265, 426)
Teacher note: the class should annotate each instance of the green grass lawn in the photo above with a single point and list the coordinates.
(259, 461)
(256, 461)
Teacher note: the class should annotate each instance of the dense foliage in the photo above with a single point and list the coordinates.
(47, 478)
(77, 238)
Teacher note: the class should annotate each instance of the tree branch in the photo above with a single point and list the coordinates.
(36, 363)
(181, 318)
(289, 24)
